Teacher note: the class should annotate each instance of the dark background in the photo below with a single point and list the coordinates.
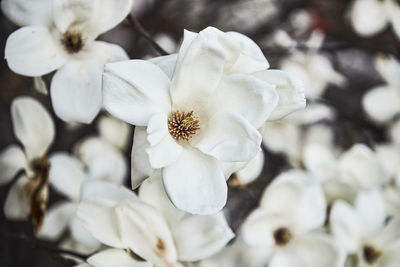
(350, 54)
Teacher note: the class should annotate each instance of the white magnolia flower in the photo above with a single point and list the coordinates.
(95, 159)
(369, 17)
(315, 70)
(394, 132)
(197, 113)
(286, 225)
(363, 230)
(358, 168)
(382, 103)
(148, 226)
(60, 35)
(34, 128)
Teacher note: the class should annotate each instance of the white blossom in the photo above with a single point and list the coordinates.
(382, 103)
(369, 17)
(286, 228)
(148, 226)
(197, 113)
(60, 35)
(34, 128)
(363, 230)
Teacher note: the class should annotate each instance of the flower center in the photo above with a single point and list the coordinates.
(282, 236)
(72, 41)
(182, 125)
(371, 254)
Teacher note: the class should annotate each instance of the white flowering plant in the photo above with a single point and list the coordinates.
(253, 133)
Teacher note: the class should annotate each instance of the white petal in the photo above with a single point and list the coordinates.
(229, 137)
(166, 63)
(251, 58)
(102, 53)
(289, 89)
(252, 98)
(32, 125)
(390, 234)
(99, 219)
(153, 193)
(115, 258)
(66, 174)
(395, 132)
(141, 168)
(92, 17)
(208, 235)
(346, 226)
(94, 190)
(56, 220)
(252, 170)
(388, 67)
(109, 14)
(314, 250)
(304, 202)
(76, 91)
(360, 167)
(12, 160)
(382, 103)
(320, 161)
(23, 13)
(135, 90)
(114, 131)
(48, 55)
(40, 85)
(393, 10)
(259, 228)
(163, 149)
(16, 206)
(104, 162)
(368, 17)
(200, 66)
(146, 233)
(195, 183)
(81, 235)
(370, 205)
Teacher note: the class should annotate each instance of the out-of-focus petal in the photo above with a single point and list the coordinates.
(208, 235)
(382, 103)
(114, 131)
(56, 220)
(115, 258)
(12, 160)
(67, 174)
(368, 17)
(32, 125)
(23, 13)
(16, 206)
(104, 162)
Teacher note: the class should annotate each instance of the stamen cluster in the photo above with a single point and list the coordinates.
(182, 125)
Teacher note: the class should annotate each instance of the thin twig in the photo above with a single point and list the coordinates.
(35, 243)
(139, 28)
